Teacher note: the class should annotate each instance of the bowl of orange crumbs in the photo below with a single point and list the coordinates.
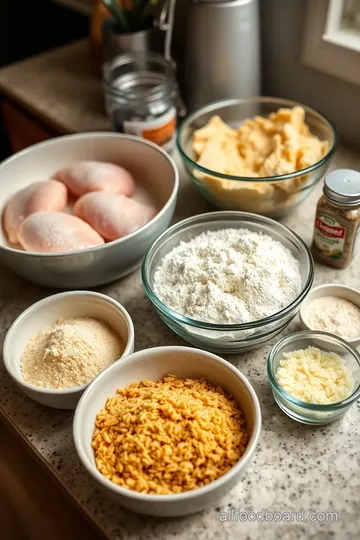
(262, 155)
(168, 431)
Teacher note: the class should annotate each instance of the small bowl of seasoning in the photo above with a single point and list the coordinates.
(57, 346)
(314, 376)
(335, 309)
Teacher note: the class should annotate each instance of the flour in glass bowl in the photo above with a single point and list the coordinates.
(228, 276)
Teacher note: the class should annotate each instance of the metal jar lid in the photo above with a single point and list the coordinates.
(343, 187)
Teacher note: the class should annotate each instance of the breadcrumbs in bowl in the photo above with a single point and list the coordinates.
(169, 436)
(193, 433)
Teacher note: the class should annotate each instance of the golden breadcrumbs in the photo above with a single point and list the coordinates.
(169, 436)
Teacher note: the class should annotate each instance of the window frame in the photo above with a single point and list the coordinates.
(327, 47)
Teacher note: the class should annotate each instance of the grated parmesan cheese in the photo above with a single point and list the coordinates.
(315, 376)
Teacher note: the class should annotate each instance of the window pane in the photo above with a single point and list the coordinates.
(351, 15)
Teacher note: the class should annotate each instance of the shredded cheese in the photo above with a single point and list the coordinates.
(315, 376)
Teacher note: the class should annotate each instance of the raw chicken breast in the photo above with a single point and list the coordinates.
(54, 232)
(48, 196)
(88, 176)
(113, 216)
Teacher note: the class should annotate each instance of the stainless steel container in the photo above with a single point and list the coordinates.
(222, 58)
(140, 97)
(114, 43)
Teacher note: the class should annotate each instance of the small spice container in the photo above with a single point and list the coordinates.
(337, 222)
(140, 96)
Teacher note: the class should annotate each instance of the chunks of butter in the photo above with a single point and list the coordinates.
(215, 128)
(221, 154)
(315, 376)
(261, 147)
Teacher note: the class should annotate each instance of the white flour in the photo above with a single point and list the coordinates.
(228, 276)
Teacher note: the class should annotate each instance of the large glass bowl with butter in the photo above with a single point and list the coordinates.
(302, 411)
(227, 338)
(273, 194)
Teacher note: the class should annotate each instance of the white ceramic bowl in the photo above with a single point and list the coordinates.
(46, 312)
(332, 289)
(157, 182)
(153, 364)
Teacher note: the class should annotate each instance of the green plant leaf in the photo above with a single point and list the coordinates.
(135, 19)
(117, 14)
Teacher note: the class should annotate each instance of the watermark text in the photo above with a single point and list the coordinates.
(266, 516)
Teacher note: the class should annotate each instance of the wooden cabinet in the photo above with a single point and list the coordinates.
(32, 506)
(22, 128)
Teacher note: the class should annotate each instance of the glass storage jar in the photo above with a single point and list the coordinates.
(140, 96)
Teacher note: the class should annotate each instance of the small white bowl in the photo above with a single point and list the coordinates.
(153, 364)
(331, 289)
(46, 312)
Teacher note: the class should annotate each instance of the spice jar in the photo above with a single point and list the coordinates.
(337, 222)
(140, 96)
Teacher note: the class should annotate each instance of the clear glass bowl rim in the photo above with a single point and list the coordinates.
(220, 215)
(304, 404)
(262, 99)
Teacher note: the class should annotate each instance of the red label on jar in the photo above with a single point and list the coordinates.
(329, 236)
(329, 230)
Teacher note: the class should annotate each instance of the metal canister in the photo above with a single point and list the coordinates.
(222, 51)
(140, 96)
(115, 44)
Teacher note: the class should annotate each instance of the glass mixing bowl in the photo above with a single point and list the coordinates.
(273, 196)
(311, 413)
(226, 338)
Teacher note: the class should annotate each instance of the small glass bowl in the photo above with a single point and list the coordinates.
(273, 196)
(227, 338)
(311, 413)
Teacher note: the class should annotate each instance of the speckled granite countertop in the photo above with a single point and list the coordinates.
(295, 467)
